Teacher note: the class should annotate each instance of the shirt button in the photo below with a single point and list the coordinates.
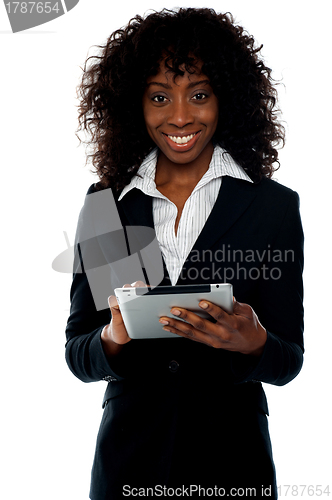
(173, 366)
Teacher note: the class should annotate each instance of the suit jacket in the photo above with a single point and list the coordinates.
(180, 413)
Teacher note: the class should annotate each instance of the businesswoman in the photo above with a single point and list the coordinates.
(182, 115)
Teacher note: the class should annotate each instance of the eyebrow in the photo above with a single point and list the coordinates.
(189, 86)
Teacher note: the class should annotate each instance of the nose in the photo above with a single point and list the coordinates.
(180, 114)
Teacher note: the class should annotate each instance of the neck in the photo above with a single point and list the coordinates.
(183, 173)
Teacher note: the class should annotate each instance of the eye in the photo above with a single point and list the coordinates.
(159, 98)
(200, 96)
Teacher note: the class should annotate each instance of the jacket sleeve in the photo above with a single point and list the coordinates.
(84, 351)
(279, 307)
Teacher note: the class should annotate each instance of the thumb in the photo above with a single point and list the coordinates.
(237, 306)
(113, 303)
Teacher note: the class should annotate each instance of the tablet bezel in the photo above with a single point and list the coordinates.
(142, 308)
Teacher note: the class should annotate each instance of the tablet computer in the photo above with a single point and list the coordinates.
(141, 308)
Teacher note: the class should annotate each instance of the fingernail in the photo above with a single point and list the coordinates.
(163, 321)
(203, 305)
(176, 312)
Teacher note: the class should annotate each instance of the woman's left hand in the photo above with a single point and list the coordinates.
(240, 331)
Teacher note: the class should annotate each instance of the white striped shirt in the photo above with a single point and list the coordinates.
(175, 248)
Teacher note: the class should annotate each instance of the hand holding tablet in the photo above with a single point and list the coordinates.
(142, 309)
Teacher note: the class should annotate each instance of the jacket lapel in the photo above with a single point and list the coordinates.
(234, 198)
(137, 208)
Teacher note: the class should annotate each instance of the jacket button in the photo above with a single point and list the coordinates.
(173, 366)
(109, 378)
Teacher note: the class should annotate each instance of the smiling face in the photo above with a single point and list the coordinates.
(181, 115)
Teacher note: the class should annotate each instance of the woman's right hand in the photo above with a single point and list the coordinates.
(115, 335)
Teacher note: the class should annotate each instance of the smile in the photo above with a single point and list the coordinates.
(181, 140)
(182, 143)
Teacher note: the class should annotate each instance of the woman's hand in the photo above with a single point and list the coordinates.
(240, 331)
(114, 336)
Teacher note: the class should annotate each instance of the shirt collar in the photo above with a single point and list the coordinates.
(221, 164)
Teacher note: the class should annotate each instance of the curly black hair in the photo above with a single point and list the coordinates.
(112, 87)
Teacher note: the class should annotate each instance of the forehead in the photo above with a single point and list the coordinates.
(166, 73)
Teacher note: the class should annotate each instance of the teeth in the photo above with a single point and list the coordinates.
(181, 140)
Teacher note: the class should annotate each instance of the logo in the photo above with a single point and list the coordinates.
(110, 254)
(25, 15)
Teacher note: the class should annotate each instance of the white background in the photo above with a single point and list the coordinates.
(49, 419)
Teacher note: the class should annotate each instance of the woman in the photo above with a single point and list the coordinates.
(182, 99)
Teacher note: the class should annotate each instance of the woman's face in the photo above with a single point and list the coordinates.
(181, 116)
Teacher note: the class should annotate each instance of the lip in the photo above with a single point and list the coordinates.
(182, 147)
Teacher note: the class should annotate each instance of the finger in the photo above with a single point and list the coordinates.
(187, 332)
(116, 330)
(117, 319)
(193, 319)
(113, 303)
(237, 307)
(183, 328)
(220, 339)
(193, 325)
(219, 314)
(138, 283)
(241, 309)
(135, 284)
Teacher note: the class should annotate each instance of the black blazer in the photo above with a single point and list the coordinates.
(180, 413)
